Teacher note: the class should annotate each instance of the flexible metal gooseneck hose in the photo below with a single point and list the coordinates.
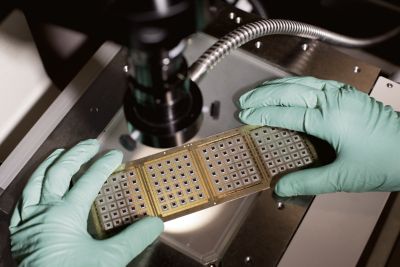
(254, 30)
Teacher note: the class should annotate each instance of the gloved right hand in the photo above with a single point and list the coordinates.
(48, 226)
(364, 133)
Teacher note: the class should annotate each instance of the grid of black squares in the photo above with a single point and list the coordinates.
(280, 150)
(175, 183)
(120, 200)
(230, 164)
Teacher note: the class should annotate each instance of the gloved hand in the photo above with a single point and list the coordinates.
(364, 133)
(48, 227)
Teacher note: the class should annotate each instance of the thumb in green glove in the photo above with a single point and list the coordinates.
(364, 133)
(48, 226)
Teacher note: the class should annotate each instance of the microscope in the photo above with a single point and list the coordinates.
(161, 103)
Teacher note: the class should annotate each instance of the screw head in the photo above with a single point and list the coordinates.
(248, 260)
(166, 61)
(280, 205)
(258, 44)
(356, 69)
(389, 85)
(304, 47)
(238, 20)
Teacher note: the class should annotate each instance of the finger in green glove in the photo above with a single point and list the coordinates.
(364, 133)
(48, 226)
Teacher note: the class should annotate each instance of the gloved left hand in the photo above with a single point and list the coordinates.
(363, 132)
(48, 227)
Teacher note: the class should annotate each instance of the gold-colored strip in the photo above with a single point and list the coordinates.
(201, 170)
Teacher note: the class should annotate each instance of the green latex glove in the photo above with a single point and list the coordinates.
(48, 227)
(364, 133)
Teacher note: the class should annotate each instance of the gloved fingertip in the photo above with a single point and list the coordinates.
(109, 162)
(136, 237)
(155, 224)
(237, 103)
(249, 116)
(145, 231)
(115, 154)
(284, 189)
(89, 142)
(242, 100)
(50, 160)
(244, 114)
(56, 153)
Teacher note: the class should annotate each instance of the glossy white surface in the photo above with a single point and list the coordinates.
(55, 113)
(23, 78)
